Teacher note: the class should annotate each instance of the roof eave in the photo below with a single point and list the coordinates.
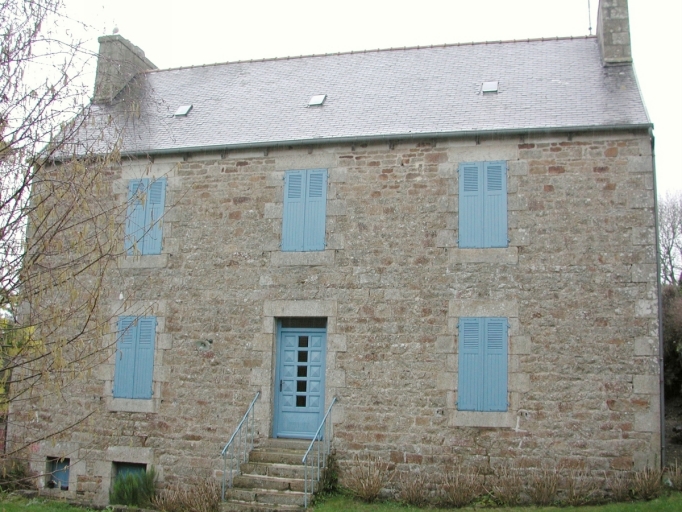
(219, 148)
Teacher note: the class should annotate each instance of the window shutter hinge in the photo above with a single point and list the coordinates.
(508, 240)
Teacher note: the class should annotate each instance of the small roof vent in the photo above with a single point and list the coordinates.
(182, 110)
(489, 86)
(317, 100)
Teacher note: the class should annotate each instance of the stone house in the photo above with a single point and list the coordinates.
(456, 242)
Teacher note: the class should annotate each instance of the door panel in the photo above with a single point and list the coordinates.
(299, 386)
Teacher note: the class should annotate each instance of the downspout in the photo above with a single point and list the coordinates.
(660, 305)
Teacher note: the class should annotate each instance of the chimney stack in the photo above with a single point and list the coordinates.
(613, 32)
(118, 62)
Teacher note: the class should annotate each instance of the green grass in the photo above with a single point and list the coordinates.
(12, 503)
(669, 503)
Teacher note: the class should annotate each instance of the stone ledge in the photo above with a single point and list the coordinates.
(294, 259)
(148, 261)
(132, 405)
(302, 308)
(483, 419)
(504, 256)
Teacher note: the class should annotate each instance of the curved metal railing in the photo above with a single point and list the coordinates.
(240, 444)
(320, 453)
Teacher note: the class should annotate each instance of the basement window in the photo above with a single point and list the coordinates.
(128, 468)
(58, 473)
(183, 110)
(490, 86)
(317, 100)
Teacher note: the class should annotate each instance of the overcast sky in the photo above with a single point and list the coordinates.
(177, 33)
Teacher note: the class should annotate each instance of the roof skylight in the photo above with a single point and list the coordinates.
(317, 100)
(182, 110)
(489, 86)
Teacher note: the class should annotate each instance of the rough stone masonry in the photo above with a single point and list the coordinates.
(577, 282)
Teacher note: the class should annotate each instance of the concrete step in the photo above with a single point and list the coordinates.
(285, 444)
(245, 481)
(276, 455)
(267, 496)
(273, 469)
(229, 506)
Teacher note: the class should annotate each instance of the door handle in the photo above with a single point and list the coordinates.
(280, 385)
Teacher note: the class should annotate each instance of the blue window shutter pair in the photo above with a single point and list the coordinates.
(483, 204)
(146, 202)
(134, 357)
(305, 210)
(482, 384)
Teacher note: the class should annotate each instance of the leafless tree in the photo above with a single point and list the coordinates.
(59, 227)
(670, 235)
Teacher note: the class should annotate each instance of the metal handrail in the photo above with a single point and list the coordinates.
(321, 457)
(244, 443)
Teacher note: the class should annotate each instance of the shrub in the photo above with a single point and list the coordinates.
(505, 489)
(459, 489)
(414, 489)
(134, 488)
(618, 486)
(543, 487)
(200, 495)
(14, 475)
(580, 489)
(647, 484)
(674, 474)
(330, 476)
(366, 478)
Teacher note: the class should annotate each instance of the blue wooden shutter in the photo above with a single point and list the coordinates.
(156, 199)
(470, 379)
(144, 360)
(125, 357)
(315, 210)
(471, 204)
(293, 213)
(495, 228)
(135, 218)
(495, 368)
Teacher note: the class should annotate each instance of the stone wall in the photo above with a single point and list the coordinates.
(577, 283)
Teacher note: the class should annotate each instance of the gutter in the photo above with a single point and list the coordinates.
(395, 137)
(660, 306)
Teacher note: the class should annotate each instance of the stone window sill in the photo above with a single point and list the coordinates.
(132, 405)
(483, 419)
(295, 259)
(148, 261)
(504, 255)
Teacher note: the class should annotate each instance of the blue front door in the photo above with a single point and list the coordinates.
(299, 384)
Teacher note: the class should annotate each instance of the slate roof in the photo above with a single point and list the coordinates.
(555, 84)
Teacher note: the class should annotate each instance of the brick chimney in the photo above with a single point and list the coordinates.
(613, 32)
(118, 62)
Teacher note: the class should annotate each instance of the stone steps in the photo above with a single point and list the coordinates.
(272, 479)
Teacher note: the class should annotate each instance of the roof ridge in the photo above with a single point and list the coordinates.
(378, 50)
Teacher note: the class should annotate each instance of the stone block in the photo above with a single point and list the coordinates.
(646, 384)
(300, 308)
(446, 238)
(135, 455)
(293, 259)
(482, 419)
(445, 345)
(478, 307)
(646, 308)
(643, 273)
(646, 346)
(498, 256)
(273, 211)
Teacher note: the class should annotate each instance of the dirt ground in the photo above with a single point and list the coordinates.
(673, 441)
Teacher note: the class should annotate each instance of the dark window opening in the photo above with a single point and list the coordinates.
(303, 356)
(303, 341)
(304, 322)
(58, 473)
(125, 468)
(300, 401)
(302, 371)
(301, 386)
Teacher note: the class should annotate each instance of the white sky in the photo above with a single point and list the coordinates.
(177, 33)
